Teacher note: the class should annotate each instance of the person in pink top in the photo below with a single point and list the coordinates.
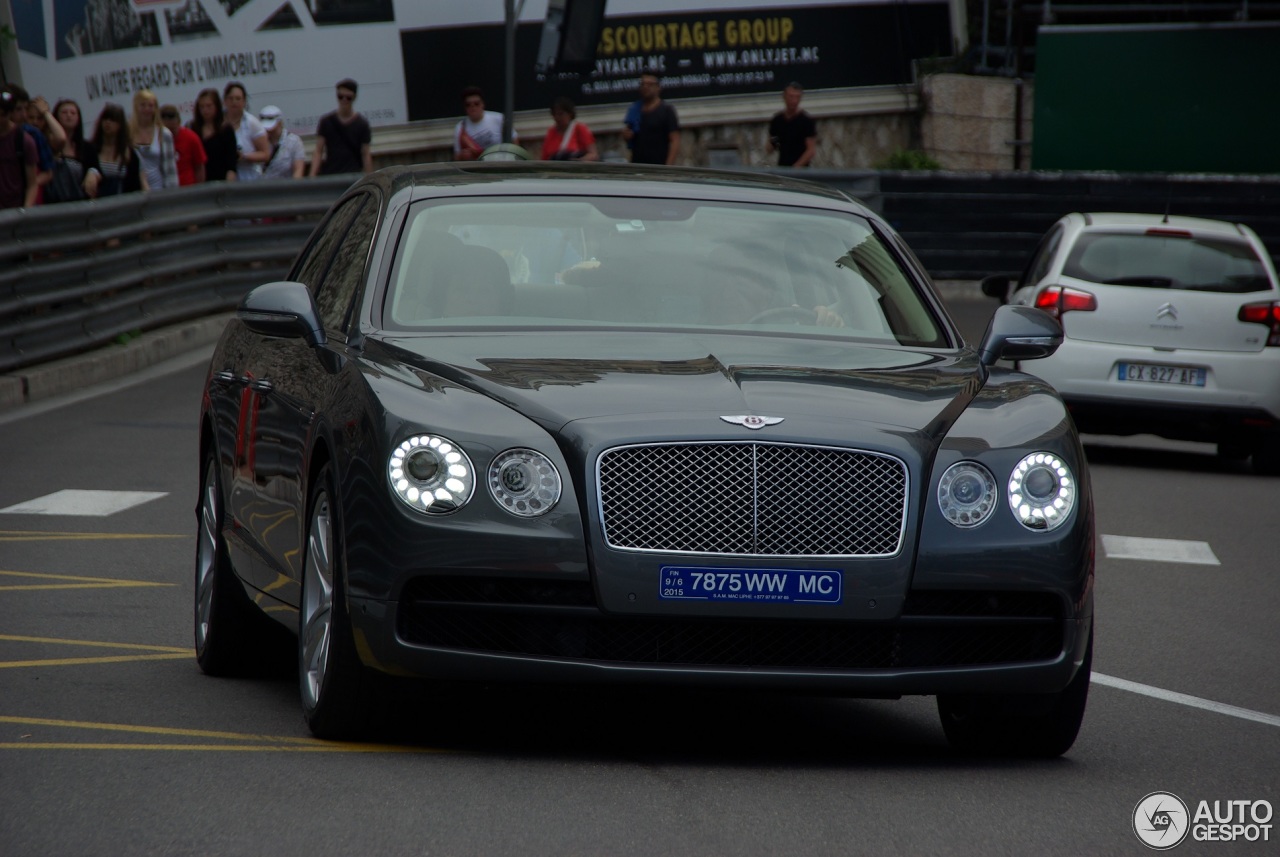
(188, 146)
(568, 139)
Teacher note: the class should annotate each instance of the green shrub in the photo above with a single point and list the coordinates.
(909, 159)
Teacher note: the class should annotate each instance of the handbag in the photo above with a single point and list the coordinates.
(64, 187)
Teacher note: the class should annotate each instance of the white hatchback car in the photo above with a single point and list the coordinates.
(1172, 328)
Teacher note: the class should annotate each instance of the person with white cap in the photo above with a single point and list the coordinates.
(288, 157)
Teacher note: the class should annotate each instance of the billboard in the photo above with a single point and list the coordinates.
(413, 58)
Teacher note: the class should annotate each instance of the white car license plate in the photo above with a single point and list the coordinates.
(762, 585)
(1151, 373)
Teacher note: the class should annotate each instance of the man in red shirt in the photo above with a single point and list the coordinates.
(187, 145)
(568, 139)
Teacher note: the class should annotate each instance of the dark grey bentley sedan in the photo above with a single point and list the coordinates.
(572, 423)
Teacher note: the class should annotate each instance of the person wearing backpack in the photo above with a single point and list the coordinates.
(18, 157)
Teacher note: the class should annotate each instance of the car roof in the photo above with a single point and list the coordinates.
(1122, 220)
(609, 179)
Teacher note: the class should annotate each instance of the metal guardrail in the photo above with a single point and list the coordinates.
(79, 275)
(965, 226)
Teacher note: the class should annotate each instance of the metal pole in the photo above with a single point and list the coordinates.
(509, 86)
(986, 28)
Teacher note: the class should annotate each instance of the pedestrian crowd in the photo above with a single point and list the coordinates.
(650, 129)
(49, 155)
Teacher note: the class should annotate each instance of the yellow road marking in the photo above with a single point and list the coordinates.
(251, 748)
(15, 638)
(249, 742)
(158, 653)
(81, 582)
(41, 536)
(71, 662)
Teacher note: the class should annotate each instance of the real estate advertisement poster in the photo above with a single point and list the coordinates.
(413, 58)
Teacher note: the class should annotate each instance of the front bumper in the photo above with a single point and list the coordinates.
(511, 630)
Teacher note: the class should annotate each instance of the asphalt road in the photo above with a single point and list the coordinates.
(113, 743)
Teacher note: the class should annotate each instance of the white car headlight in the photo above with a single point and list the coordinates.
(524, 482)
(431, 474)
(967, 494)
(1042, 491)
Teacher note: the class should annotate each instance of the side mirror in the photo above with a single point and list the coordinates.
(285, 310)
(1019, 333)
(998, 286)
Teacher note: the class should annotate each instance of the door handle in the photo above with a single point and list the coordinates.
(260, 385)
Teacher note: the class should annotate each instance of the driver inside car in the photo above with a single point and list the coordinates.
(740, 290)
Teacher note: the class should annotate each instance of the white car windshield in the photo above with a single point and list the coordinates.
(570, 262)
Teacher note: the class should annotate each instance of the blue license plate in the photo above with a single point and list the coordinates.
(751, 585)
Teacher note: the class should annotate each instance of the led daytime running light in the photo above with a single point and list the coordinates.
(431, 474)
(1042, 491)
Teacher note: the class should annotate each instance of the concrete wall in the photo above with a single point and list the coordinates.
(968, 122)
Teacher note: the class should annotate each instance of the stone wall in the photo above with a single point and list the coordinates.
(965, 122)
(968, 122)
(857, 129)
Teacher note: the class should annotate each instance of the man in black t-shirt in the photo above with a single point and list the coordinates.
(343, 137)
(656, 137)
(792, 132)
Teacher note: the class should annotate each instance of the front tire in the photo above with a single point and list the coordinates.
(1040, 726)
(336, 689)
(228, 638)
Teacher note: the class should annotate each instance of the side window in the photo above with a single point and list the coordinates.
(1040, 263)
(313, 265)
(342, 282)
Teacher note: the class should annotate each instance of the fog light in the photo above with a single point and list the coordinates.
(967, 494)
(524, 482)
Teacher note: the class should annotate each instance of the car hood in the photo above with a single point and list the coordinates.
(643, 376)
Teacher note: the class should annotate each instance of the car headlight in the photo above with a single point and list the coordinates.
(431, 474)
(1042, 491)
(967, 494)
(524, 482)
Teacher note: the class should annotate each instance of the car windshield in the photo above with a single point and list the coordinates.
(1166, 261)
(601, 261)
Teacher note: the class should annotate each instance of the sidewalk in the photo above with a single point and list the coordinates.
(58, 377)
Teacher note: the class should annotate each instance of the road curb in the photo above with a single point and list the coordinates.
(58, 377)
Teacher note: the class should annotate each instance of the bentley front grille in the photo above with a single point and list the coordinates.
(752, 499)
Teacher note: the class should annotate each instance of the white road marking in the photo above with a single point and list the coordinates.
(82, 502)
(1160, 550)
(1186, 699)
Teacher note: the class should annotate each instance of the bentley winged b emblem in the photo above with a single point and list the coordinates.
(752, 421)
